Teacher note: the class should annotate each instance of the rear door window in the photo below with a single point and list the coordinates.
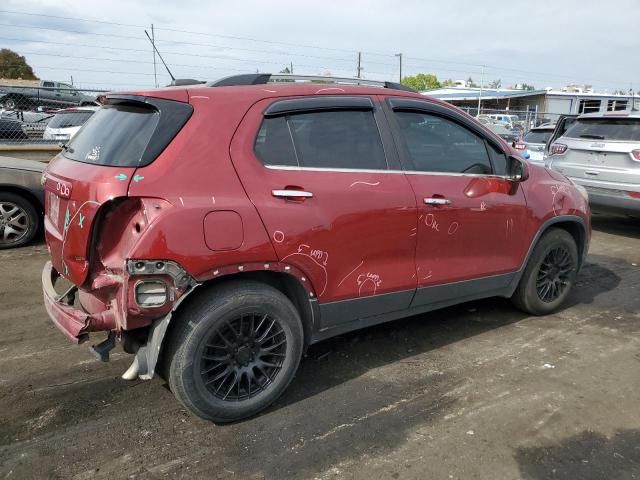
(326, 139)
(623, 129)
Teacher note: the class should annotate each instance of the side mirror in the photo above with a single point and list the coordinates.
(518, 169)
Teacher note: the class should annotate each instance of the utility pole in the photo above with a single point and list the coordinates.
(153, 43)
(71, 79)
(359, 64)
(399, 55)
(480, 95)
(291, 67)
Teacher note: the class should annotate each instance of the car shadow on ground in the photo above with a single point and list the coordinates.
(335, 361)
(587, 455)
(616, 225)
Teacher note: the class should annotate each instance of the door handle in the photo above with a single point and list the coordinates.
(437, 201)
(291, 194)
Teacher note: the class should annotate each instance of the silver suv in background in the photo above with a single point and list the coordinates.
(601, 152)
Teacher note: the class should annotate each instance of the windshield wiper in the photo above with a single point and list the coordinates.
(593, 137)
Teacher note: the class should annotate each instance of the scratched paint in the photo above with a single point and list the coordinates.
(278, 236)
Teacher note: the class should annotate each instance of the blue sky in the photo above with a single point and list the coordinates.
(544, 43)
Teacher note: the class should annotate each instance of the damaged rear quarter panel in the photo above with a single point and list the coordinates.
(199, 158)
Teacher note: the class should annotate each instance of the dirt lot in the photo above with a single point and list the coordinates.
(475, 391)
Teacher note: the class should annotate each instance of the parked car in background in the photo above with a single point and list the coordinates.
(601, 152)
(66, 123)
(309, 213)
(533, 143)
(21, 201)
(11, 129)
(33, 124)
(509, 121)
(42, 93)
(503, 132)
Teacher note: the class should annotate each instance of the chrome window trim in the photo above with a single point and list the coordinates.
(358, 170)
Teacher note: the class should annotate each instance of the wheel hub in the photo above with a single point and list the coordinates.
(554, 273)
(242, 357)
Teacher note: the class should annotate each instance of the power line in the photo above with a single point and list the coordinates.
(232, 37)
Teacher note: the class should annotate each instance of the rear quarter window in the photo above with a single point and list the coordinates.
(114, 136)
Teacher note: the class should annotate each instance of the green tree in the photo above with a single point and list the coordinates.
(13, 66)
(285, 70)
(448, 83)
(471, 83)
(422, 81)
(526, 86)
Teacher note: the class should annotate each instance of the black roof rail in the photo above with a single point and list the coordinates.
(264, 78)
(242, 79)
(399, 86)
(181, 82)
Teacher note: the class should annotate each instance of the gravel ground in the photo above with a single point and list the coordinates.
(475, 391)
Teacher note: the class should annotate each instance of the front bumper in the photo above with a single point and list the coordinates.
(75, 323)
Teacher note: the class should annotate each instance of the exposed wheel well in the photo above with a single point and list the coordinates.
(283, 282)
(576, 230)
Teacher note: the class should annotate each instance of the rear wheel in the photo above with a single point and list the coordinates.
(550, 274)
(234, 350)
(19, 220)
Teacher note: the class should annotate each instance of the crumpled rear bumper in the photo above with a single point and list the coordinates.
(75, 323)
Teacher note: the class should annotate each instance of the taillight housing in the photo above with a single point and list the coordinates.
(635, 154)
(520, 146)
(635, 195)
(558, 148)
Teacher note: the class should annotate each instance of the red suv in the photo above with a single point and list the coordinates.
(217, 230)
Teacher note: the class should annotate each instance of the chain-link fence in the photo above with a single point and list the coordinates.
(523, 120)
(50, 113)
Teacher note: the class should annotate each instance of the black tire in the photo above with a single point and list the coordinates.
(549, 275)
(19, 226)
(202, 338)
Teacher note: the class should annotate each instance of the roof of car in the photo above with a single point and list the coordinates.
(620, 114)
(286, 89)
(21, 164)
(544, 127)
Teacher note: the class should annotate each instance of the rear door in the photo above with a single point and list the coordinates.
(324, 177)
(471, 218)
(600, 152)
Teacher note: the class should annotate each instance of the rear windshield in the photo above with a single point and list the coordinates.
(538, 136)
(69, 119)
(605, 129)
(116, 135)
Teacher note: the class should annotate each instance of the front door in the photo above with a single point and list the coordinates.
(321, 178)
(471, 218)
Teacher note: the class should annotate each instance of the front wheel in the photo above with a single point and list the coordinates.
(234, 349)
(549, 275)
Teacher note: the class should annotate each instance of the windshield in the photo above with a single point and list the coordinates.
(605, 129)
(69, 119)
(116, 135)
(538, 136)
